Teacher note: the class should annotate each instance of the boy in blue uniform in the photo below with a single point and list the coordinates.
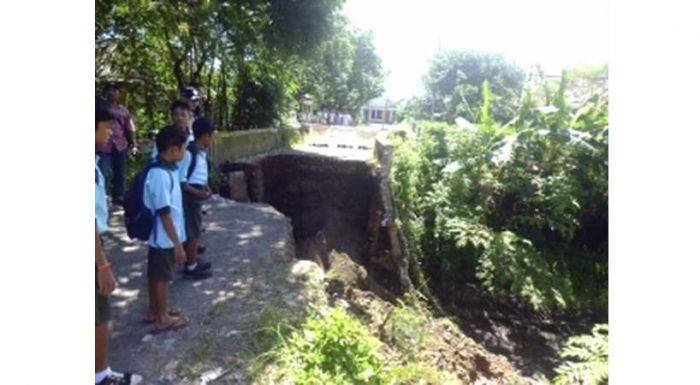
(104, 279)
(163, 196)
(194, 176)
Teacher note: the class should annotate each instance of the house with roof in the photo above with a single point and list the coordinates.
(379, 110)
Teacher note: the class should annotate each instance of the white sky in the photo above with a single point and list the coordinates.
(553, 33)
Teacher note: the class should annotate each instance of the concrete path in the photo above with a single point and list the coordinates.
(251, 250)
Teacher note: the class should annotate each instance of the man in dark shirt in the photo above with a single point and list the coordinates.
(114, 154)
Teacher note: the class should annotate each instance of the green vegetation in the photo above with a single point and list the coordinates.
(334, 348)
(254, 59)
(196, 358)
(454, 87)
(585, 359)
(521, 208)
(516, 203)
(407, 326)
(345, 72)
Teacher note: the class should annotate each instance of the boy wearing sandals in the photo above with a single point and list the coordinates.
(104, 279)
(163, 196)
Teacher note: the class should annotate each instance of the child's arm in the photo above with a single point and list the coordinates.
(169, 227)
(105, 278)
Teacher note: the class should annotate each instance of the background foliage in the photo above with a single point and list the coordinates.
(254, 59)
(454, 87)
(585, 359)
(519, 208)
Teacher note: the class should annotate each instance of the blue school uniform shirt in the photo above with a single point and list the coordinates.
(162, 194)
(154, 151)
(200, 174)
(101, 212)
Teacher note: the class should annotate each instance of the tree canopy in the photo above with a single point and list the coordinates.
(249, 56)
(453, 87)
(345, 72)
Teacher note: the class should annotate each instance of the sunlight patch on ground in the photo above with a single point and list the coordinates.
(129, 249)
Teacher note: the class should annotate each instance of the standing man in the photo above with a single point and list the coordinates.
(192, 97)
(114, 154)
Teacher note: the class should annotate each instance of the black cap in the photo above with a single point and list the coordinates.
(190, 93)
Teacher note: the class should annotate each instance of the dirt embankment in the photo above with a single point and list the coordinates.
(339, 221)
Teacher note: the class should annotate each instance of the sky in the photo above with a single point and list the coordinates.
(553, 33)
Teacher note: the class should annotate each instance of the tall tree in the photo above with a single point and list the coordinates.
(454, 86)
(160, 46)
(345, 72)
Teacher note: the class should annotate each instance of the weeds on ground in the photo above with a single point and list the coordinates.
(407, 326)
(196, 358)
(334, 348)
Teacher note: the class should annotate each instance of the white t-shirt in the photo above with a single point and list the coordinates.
(101, 211)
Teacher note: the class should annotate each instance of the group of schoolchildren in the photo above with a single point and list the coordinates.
(170, 191)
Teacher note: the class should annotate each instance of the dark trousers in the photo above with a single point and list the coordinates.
(113, 167)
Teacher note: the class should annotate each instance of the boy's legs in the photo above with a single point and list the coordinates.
(101, 346)
(102, 317)
(161, 304)
(119, 168)
(152, 294)
(159, 276)
(193, 227)
(191, 249)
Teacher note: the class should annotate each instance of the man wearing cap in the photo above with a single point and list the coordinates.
(192, 97)
(199, 109)
(114, 154)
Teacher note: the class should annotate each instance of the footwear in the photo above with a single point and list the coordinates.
(178, 323)
(171, 312)
(116, 378)
(201, 249)
(201, 264)
(198, 272)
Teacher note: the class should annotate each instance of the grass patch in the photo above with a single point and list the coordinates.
(218, 308)
(420, 374)
(196, 358)
(335, 348)
(407, 326)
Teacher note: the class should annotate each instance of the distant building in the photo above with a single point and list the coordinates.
(379, 110)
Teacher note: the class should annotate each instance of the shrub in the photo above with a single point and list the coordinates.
(332, 349)
(407, 327)
(519, 208)
(335, 348)
(585, 359)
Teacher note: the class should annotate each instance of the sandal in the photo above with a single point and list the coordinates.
(171, 312)
(178, 323)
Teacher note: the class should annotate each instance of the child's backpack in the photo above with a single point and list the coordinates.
(193, 162)
(139, 218)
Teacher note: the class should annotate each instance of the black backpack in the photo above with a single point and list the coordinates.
(193, 162)
(139, 219)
